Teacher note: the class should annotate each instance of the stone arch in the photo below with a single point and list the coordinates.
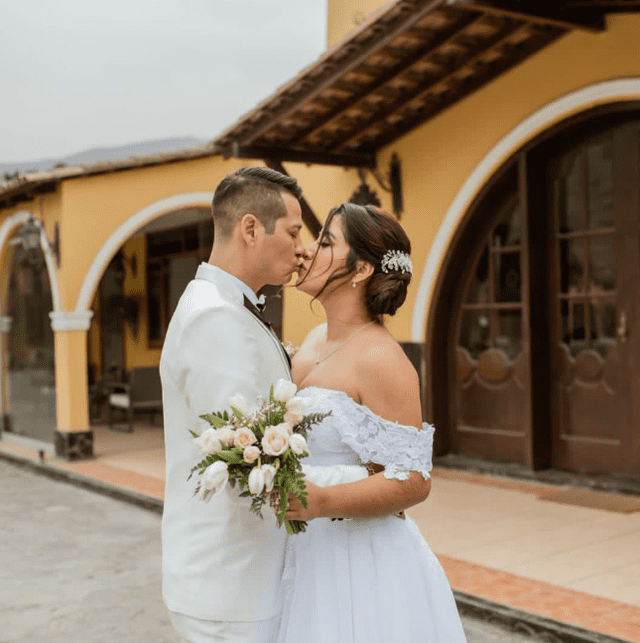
(124, 231)
(602, 93)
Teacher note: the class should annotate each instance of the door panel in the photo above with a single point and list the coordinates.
(590, 374)
(492, 383)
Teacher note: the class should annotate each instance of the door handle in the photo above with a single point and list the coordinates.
(622, 330)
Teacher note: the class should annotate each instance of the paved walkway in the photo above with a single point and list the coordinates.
(561, 553)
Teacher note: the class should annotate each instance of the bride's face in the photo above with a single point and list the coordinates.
(325, 256)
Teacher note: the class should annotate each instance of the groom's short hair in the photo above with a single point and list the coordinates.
(257, 190)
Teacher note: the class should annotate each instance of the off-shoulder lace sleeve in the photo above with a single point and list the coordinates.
(399, 448)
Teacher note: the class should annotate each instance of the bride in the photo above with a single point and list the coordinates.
(362, 572)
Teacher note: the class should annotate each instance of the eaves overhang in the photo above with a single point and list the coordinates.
(406, 64)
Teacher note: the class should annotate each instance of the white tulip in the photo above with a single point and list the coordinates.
(256, 481)
(298, 405)
(215, 477)
(298, 444)
(238, 402)
(269, 474)
(284, 390)
(292, 418)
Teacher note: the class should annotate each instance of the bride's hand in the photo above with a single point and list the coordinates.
(296, 511)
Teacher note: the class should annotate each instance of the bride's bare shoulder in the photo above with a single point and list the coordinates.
(389, 383)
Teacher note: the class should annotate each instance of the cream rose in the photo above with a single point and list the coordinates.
(275, 440)
(284, 390)
(238, 402)
(256, 481)
(298, 444)
(251, 454)
(244, 437)
(269, 474)
(226, 435)
(208, 442)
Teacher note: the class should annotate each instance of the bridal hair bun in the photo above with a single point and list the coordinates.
(376, 237)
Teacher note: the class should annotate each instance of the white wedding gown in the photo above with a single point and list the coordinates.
(365, 580)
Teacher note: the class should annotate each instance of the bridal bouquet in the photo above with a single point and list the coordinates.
(258, 450)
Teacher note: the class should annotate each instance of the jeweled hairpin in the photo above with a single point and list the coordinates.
(396, 261)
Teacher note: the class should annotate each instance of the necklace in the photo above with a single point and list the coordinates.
(355, 332)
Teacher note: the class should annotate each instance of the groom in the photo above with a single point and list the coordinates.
(221, 563)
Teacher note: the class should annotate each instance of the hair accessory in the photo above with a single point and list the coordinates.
(396, 261)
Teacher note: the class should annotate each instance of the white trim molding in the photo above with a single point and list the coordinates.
(126, 230)
(73, 320)
(5, 324)
(7, 227)
(625, 89)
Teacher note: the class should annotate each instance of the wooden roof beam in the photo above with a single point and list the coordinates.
(537, 12)
(387, 77)
(337, 71)
(496, 40)
(467, 88)
(277, 153)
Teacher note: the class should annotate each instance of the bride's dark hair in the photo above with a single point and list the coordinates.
(370, 233)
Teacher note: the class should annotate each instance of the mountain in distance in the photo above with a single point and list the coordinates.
(98, 154)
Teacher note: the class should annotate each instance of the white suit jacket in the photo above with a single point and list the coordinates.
(220, 561)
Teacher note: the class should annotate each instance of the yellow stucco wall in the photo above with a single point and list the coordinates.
(345, 15)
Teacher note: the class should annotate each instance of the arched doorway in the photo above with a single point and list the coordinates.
(31, 374)
(543, 328)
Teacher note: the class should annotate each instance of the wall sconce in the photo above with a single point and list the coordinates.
(29, 239)
(364, 195)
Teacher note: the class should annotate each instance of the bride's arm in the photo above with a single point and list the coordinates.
(373, 496)
(390, 388)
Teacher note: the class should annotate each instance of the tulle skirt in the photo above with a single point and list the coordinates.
(372, 580)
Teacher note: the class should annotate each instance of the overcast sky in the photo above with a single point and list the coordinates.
(77, 74)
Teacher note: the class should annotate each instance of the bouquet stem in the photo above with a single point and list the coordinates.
(295, 526)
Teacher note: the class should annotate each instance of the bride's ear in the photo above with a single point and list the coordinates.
(364, 270)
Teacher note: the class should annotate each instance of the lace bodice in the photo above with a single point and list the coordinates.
(353, 434)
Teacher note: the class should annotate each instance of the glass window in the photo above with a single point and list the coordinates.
(601, 264)
(475, 332)
(506, 271)
(571, 266)
(600, 193)
(570, 193)
(479, 289)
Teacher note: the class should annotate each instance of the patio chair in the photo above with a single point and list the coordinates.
(142, 393)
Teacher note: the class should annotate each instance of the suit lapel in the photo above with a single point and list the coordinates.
(250, 307)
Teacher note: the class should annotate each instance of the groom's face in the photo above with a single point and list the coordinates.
(280, 253)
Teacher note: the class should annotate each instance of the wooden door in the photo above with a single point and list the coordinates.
(593, 188)
(492, 388)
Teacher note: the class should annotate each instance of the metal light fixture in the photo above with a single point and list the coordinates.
(29, 240)
(364, 195)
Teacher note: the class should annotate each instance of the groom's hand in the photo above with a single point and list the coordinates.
(296, 511)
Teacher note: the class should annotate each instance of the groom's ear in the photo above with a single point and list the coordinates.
(249, 225)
